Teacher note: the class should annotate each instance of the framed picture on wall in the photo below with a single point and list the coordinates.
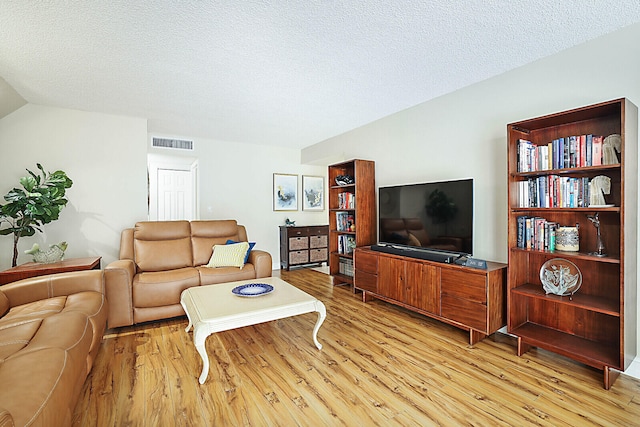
(285, 192)
(312, 193)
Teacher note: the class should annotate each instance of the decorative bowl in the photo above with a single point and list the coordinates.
(344, 180)
(560, 277)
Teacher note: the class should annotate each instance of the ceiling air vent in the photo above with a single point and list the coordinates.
(172, 143)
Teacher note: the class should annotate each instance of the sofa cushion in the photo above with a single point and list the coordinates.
(251, 245)
(232, 255)
(211, 276)
(45, 378)
(14, 337)
(206, 234)
(4, 303)
(24, 325)
(155, 289)
(162, 245)
(33, 311)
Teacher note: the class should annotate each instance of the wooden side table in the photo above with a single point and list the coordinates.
(33, 269)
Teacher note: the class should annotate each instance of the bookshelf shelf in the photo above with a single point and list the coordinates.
(591, 353)
(565, 171)
(572, 255)
(596, 326)
(588, 302)
(352, 216)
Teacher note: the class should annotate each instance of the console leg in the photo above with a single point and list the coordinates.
(475, 336)
(366, 297)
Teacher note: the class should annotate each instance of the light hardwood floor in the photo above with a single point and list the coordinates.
(379, 365)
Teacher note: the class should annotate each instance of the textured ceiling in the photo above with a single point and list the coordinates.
(289, 73)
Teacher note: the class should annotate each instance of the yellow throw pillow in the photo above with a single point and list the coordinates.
(229, 255)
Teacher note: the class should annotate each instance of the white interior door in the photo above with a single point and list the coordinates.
(173, 189)
(175, 195)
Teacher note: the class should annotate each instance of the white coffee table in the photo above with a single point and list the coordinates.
(214, 308)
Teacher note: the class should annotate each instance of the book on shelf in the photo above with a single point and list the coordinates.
(573, 151)
(344, 221)
(346, 200)
(536, 233)
(345, 266)
(554, 191)
(346, 244)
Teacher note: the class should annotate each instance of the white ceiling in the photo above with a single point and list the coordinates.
(289, 73)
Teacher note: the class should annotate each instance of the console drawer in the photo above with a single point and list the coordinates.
(464, 311)
(297, 243)
(318, 255)
(366, 262)
(321, 230)
(318, 241)
(298, 257)
(470, 287)
(366, 281)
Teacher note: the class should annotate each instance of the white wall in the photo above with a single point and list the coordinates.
(463, 134)
(104, 155)
(236, 182)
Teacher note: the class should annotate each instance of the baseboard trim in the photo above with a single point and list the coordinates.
(634, 369)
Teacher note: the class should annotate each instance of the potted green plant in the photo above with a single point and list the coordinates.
(38, 202)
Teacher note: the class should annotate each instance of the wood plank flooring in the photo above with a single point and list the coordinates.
(379, 366)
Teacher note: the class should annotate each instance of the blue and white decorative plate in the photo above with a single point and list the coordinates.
(252, 289)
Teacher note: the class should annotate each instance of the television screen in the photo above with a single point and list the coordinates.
(432, 215)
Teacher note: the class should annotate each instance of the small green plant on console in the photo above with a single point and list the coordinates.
(38, 202)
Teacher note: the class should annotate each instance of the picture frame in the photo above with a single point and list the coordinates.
(312, 193)
(285, 192)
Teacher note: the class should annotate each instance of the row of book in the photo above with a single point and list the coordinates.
(536, 233)
(561, 153)
(345, 266)
(344, 221)
(346, 244)
(553, 191)
(346, 200)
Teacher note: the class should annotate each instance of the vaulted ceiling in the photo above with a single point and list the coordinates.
(289, 73)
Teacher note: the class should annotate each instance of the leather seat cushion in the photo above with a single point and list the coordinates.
(24, 323)
(35, 310)
(43, 393)
(14, 337)
(156, 289)
(210, 276)
(76, 339)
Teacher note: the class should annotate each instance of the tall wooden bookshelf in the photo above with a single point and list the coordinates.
(597, 325)
(352, 216)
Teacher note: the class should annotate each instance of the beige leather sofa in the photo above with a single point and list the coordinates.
(158, 260)
(51, 328)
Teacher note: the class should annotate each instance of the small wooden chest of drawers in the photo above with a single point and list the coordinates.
(303, 245)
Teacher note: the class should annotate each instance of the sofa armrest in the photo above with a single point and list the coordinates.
(261, 261)
(118, 279)
(53, 285)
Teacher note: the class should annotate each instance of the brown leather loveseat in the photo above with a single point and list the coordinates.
(51, 328)
(160, 259)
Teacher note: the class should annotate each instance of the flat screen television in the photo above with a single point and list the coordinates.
(430, 216)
